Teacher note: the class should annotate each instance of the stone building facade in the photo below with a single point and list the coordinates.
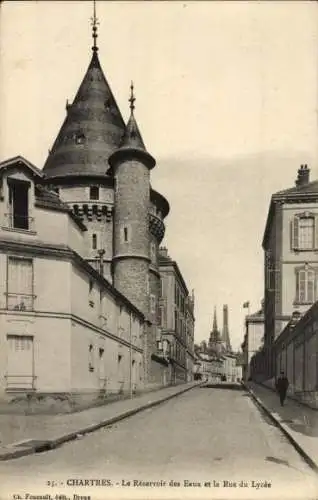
(296, 353)
(64, 327)
(290, 246)
(80, 260)
(253, 340)
(176, 319)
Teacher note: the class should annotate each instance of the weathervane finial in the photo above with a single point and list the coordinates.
(94, 22)
(132, 98)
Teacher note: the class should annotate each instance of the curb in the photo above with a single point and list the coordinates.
(51, 444)
(284, 429)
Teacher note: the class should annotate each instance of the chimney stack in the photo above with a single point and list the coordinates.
(303, 176)
(163, 251)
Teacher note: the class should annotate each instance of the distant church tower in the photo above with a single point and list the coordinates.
(215, 341)
(225, 331)
(218, 342)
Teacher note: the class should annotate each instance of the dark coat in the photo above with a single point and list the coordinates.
(282, 384)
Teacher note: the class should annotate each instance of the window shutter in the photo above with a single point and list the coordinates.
(301, 286)
(310, 286)
(295, 233)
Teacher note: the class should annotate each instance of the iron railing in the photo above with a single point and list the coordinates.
(20, 301)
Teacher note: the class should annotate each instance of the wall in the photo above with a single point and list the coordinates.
(296, 354)
(51, 342)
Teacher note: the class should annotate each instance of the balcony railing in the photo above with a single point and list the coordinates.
(20, 382)
(20, 302)
(23, 222)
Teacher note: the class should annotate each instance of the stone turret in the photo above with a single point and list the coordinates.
(131, 165)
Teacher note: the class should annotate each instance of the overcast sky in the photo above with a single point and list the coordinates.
(226, 102)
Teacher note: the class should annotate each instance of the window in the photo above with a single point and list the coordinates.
(91, 358)
(19, 204)
(20, 284)
(153, 252)
(305, 286)
(94, 241)
(94, 193)
(79, 138)
(152, 304)
(304, 232)
(125, 234)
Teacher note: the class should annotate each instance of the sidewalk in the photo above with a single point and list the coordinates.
(26, 434)
(298, 422)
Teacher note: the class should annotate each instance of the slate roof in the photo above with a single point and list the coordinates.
(310, 188)
(92, 130)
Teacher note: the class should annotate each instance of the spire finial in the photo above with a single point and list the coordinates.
(132, 98)
(95, 23)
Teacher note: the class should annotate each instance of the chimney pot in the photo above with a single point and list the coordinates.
(303, 175)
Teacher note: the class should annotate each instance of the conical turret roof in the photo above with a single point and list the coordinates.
(132, 137)
(92, 129)
(132, 142)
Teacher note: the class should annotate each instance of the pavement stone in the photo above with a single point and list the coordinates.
(298, 422)
(22, 435)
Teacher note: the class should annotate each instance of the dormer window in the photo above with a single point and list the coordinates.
(107, 104)
(19, 203)
(94, 193)
(79, 138)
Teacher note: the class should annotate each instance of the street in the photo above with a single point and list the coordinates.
(207, 435)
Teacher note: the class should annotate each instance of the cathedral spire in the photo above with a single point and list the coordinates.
(94, 22)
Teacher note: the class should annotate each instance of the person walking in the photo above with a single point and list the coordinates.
(281, 387)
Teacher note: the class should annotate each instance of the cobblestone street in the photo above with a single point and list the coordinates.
(204, 435)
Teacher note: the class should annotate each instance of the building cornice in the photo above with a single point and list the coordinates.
(71, 317)
(64, 252)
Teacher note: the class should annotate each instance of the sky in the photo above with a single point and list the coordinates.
(226, 103)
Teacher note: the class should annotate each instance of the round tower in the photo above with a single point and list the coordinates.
(131, 165)
(78, 160)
